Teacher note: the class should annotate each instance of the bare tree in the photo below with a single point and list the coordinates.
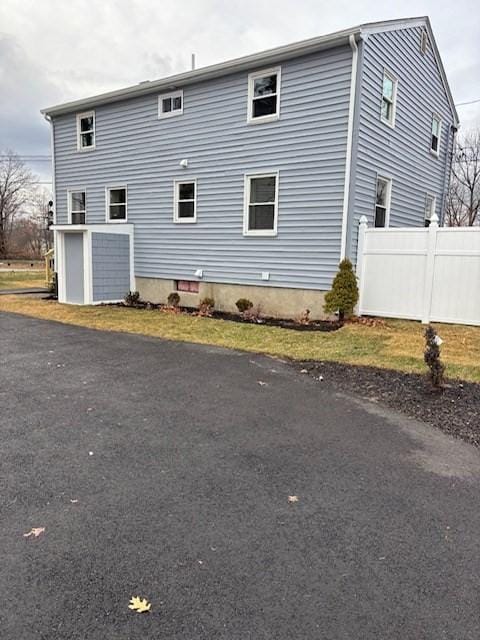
(15, 181)
(463, 199)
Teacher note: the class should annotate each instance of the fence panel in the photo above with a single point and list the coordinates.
(420, 274)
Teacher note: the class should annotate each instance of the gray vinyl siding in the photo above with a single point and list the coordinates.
(307, 146)
(110, 266)
(402, 153)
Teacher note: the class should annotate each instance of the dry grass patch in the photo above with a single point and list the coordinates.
(22, 279)
(397, 344)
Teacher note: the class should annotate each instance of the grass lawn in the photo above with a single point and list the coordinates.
(397, 345)
(22, 279)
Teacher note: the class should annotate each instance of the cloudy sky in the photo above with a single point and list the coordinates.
(56, 50)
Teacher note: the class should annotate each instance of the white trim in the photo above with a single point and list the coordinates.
(174, 112)
(391, 76)
(251, 83)
(246, 204)
(388, 201)
(80, 116)
(176, 200)
(69, 202)
(87, 268)
(348, 156)
(438, 118)
(107, 204)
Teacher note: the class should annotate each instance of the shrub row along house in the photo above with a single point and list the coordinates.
(247, 178)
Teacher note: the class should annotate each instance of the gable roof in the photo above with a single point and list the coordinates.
(262, 58)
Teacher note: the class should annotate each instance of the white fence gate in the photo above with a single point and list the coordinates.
(422, 274)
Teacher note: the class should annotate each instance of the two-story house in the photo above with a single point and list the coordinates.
(247, 178)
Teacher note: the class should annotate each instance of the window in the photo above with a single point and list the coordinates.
(264, 95)
(188, 286)
(261, 204)
(77, 207)
(185, 209)
(389, 97)
(430, 205)
(424, 42)
(86, 131)
(436, 132)
(170, 104)
(116, 204)
(382, 202)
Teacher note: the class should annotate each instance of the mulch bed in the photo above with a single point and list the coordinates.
(455, 410)
(313, 325)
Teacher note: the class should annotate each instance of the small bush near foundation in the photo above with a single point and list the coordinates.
(206, 306)
(132, 298)
(305, 317)
(243, 304)
(173, 299)
(432, 357)
(253, 314)
(343, 295)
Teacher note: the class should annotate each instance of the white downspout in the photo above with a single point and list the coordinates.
(348, 157)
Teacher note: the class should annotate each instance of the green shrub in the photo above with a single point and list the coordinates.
(343, 295)
(173, 299)
(243, 304)
(206, 307)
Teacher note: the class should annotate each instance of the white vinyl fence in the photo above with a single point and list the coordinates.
(427, 274)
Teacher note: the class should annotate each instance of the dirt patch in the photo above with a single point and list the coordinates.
(455, 410)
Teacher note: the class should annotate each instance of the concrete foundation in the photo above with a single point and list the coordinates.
(272, 301)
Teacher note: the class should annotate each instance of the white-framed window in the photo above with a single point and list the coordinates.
(77, 206)
(264, 95)
(170, 104)
(261, 204)
(382, 201)
(116, 201)
(389, 98)
(185, 201)
(430, 206)
(86, 131)
(436, 133)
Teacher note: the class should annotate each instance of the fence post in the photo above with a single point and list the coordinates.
(362, 229)
(429, 268)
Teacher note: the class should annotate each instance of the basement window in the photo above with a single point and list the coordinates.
(170, 104)
(188, 286)
(86, 131)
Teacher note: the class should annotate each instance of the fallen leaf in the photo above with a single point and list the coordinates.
(261, 383)
(293, 498)
(35, 532)
(90, 453)
(74, 501)
(139, 605)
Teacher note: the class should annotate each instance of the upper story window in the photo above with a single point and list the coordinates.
(430, 205)
(389, 98)
(185, 202)
(77, 208)
(382, 201)
(170, 104)
(261, 204)
(116, 204)
(264, 95)
(86, 130)
(436, 132)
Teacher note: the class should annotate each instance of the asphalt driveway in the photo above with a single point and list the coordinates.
(164, 470)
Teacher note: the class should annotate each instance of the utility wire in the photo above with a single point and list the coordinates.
(460, 104)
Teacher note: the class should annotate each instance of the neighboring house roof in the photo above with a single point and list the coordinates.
(270, 56)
